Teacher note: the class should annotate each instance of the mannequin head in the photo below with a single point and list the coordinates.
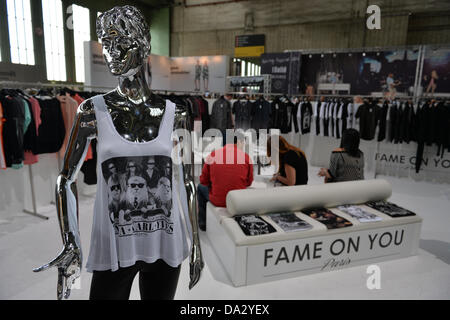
(125, 39)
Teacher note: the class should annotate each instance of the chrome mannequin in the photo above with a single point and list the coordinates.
(136, 114)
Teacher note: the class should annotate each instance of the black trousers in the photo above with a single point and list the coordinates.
(157, 281)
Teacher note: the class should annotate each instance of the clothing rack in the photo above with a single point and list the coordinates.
(48, 85)
(80, 86)
(39, 85)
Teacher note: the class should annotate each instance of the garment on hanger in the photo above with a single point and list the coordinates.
(138, 223)
(342, 118)
(443, 134)
(203, 112)
(52, 130)
(69, 108)
(325, 115)
(294, 115)
(291, 114)
(305, 116)
(14, 115)
(30, 137)
(423, 127)
(332, 117)
(221, 115)
(261, 114)
(280, 115)
(407, 119)
(382, 121)
(242, 110)
(26, 123)
(392, 114)
(316, 113)
(368, 117)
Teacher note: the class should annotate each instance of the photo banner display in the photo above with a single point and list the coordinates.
(202, 74)
(284, 69)
(199, 73)
(436, 71)
(364, 73)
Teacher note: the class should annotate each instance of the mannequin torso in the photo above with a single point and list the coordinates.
(136, 115)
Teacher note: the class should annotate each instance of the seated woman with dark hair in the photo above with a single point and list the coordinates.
(346, 162)
(293, 168)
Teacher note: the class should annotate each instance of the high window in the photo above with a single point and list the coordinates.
(20, 31)
(81, 33)
(54, 40)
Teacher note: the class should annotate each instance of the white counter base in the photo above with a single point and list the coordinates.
(328, 250)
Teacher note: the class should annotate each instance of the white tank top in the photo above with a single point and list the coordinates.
(137, 214)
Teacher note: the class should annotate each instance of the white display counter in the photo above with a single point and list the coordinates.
(253, 259)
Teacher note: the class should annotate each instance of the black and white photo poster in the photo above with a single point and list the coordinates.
(139, 194)
(359, 213)
(289, 222)
(253, 225)
(390, 209)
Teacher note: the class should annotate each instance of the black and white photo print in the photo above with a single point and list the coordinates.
(253, 225)
(390, 209)
(289, 222)
(359, 213)
(139, 194)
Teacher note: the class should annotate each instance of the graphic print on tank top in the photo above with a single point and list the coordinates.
(139, 194)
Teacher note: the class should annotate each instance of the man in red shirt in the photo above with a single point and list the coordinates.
(228, 168)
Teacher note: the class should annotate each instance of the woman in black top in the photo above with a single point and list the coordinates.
(293, 168)
(346, 162)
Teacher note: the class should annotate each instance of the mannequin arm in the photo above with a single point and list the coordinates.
(70, 258)
(196, 259)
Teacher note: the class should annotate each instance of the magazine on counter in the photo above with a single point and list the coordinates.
(328, 218)
(289, 222)
(359, 213)
(390, 209)
(253, 225)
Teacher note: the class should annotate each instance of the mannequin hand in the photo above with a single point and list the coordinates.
(68, 263)
(196, 265)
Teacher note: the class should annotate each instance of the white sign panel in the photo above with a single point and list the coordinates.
(401, 159)
(206, 73)
(160, 67)
(292, 258)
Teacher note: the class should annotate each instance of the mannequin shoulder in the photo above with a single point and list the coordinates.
(86, 107)
(85, 116)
